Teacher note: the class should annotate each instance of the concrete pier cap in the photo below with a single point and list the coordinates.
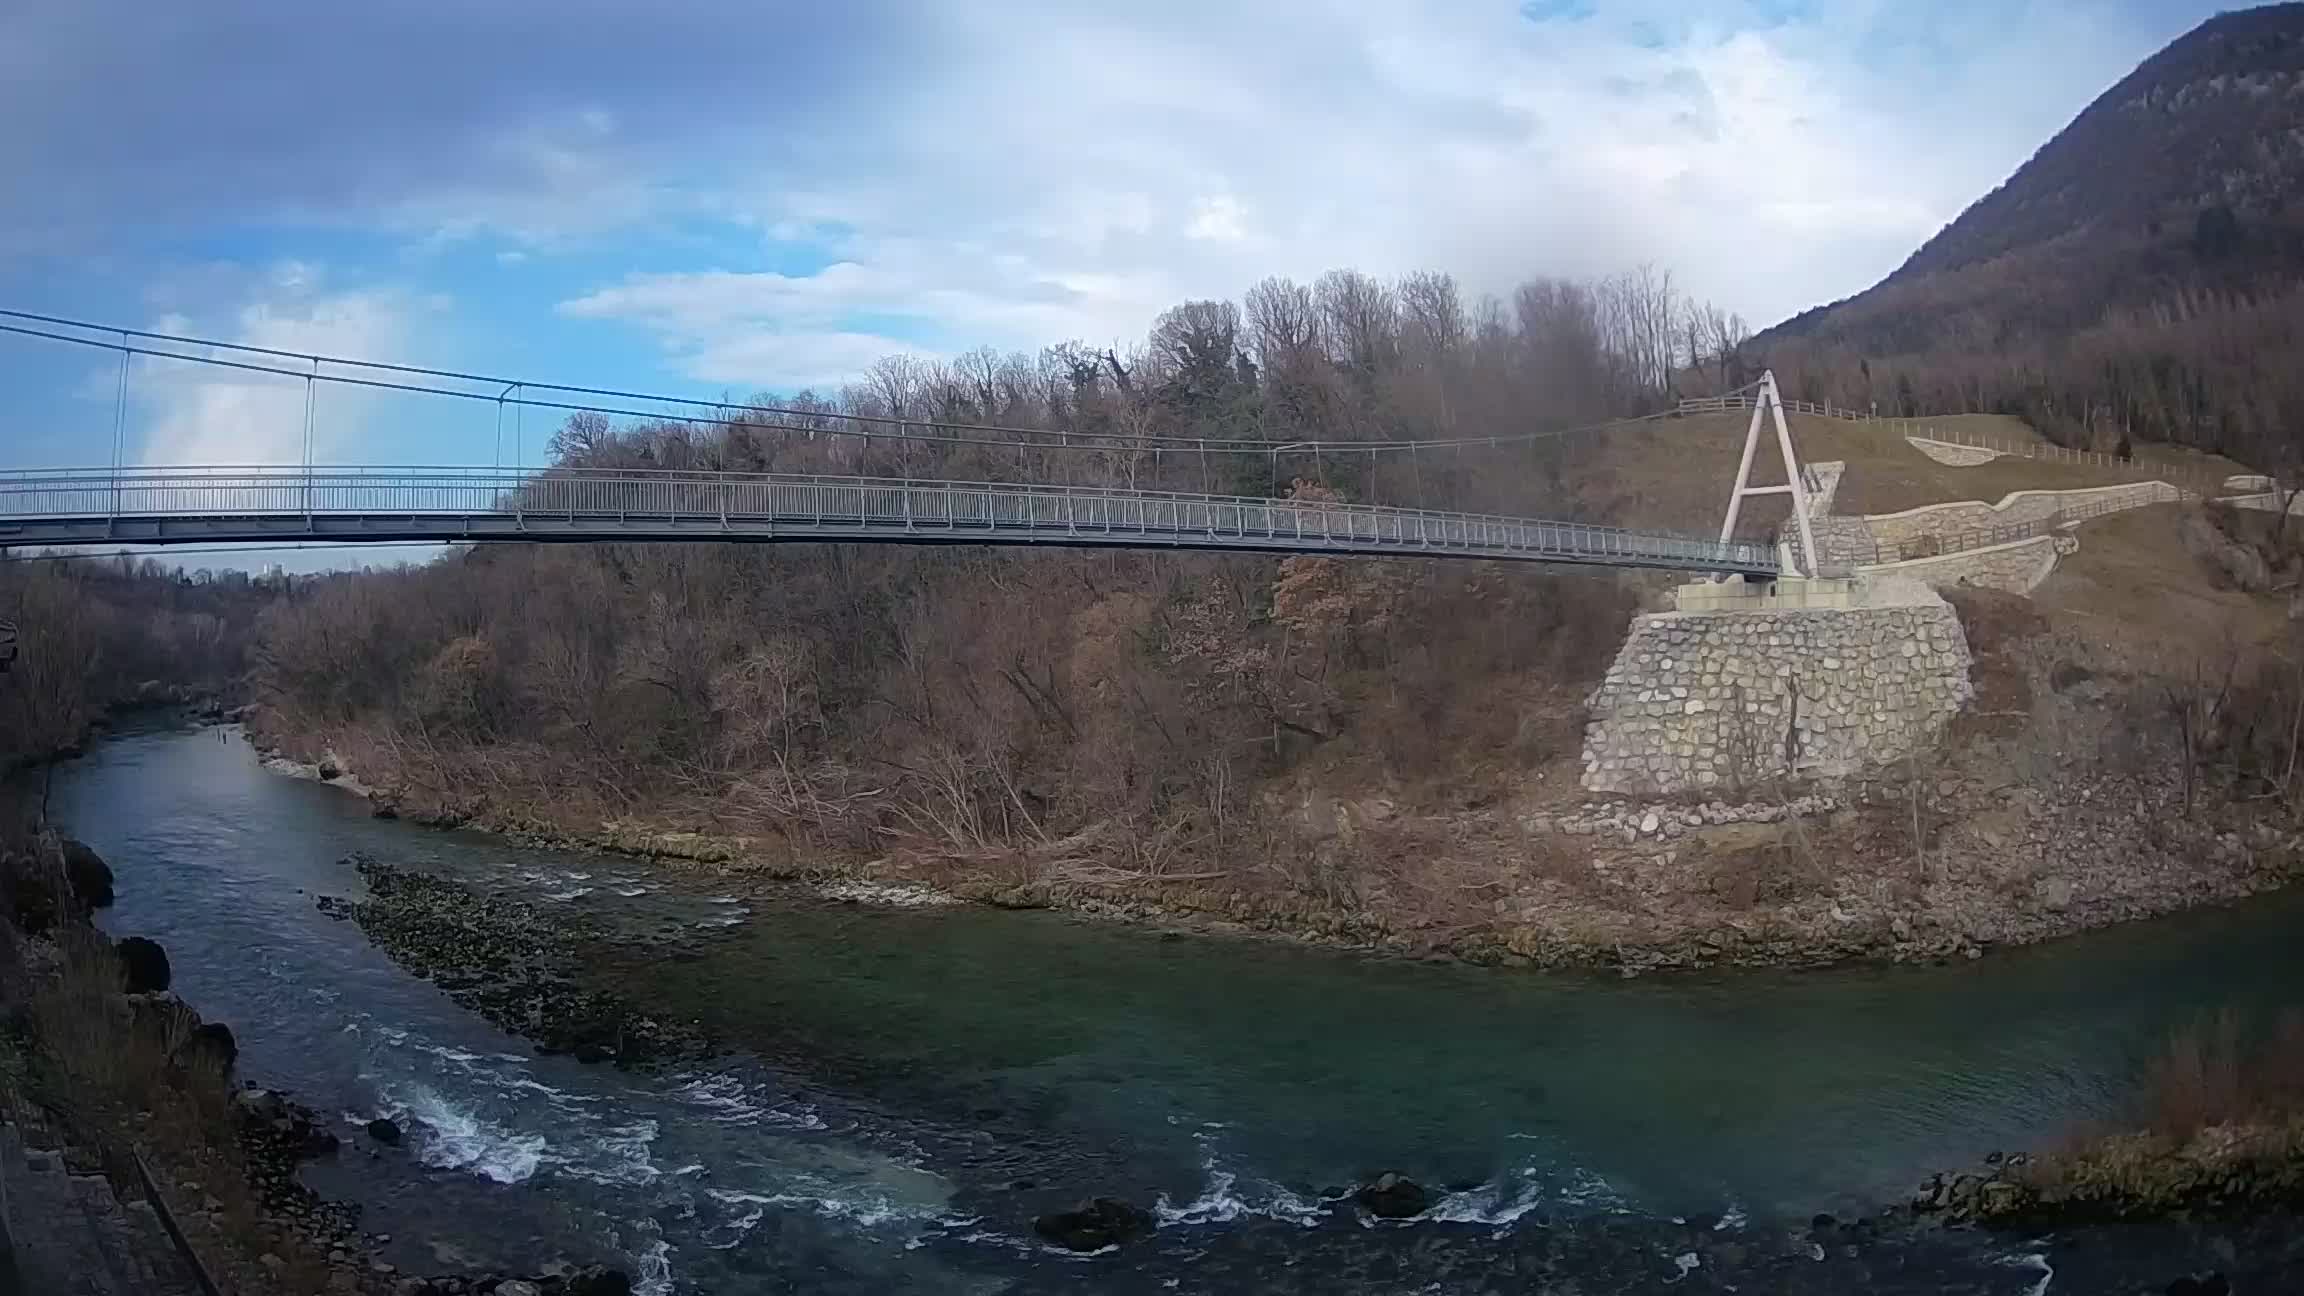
(1785, 593)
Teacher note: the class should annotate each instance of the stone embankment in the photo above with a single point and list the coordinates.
(1698, 701)
(2017, 567)
(1942, 521)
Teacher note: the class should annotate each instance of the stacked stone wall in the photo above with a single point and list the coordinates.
(2017, 568)
(1698, 701)
(1948, 520)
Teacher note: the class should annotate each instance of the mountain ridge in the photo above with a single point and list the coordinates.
(2097, 290)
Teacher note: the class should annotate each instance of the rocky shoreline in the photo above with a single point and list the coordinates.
(1647, 896)
(274, 1135)
(2126, 1176)
(1820, 935)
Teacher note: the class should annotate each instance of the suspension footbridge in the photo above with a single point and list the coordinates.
(122, 504)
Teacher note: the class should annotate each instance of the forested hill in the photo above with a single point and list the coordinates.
(2139, 275)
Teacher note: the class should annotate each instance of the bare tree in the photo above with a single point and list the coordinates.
(1360, 322)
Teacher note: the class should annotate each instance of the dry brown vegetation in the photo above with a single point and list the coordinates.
(1341, 745)
(2226, 1071)
(113, 630)
(1045, 716)
(2218, 1120)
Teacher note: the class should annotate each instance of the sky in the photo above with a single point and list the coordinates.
(719, 198)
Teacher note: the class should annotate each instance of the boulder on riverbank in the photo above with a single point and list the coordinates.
(89, 875)
(143, 965)
(210, 1044)
(1093, 1225)
(1392, 1196)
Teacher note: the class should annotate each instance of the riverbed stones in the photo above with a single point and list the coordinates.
(1093, 1225)
(522, 966)
(260, 1105)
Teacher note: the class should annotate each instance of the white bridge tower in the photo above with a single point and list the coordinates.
(1766, 403)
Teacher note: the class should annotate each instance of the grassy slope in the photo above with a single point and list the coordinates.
(2135, 586)
(1675, 473)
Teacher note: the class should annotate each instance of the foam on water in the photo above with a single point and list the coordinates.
(492, 1126)
(864, 1209)
(618, 1155)
(1506, 1200)
(2033, 1260)
(652, 1265)
(449, 1138)
(571, 893)
(1223, 1198)
(729, 1101)
(1500, 1203)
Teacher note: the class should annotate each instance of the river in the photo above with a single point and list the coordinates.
(906, 1088)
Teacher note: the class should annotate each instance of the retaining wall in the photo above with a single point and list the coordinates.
(1698, 700)
(2268, 502)
(2019, 507)
(2017, 567)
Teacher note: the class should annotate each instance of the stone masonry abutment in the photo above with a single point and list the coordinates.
(1762, 687)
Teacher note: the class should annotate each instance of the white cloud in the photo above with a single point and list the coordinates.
(1220, 218)
(1107, 165)
(1014, 172)
(195, 414)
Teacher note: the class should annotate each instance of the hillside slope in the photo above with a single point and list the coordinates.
(2138, 275)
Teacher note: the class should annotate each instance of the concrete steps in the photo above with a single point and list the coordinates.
(71, 1236)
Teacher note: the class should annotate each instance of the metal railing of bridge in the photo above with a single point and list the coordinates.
(172, 504)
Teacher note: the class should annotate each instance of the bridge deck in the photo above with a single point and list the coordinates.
(185, 505)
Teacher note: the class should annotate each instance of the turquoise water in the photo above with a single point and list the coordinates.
(904, 1089)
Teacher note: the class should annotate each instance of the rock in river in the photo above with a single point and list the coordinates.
(598, 1280)
(1393, 1196)
(384, 1130)
(1094, 1225)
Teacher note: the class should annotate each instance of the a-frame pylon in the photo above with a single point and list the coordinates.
(1766, 403)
